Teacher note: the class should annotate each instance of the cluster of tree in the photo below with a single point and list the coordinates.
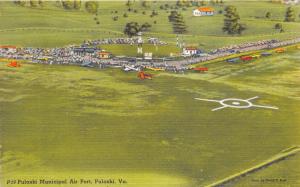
(268, 15)
(20, 2)
(133, 28)
(128, 3)
(154, 13)
(290, 15)
(231, 21)
(204, 3)
(71, 4)
(96, 19)
(183, 3)
(216, 2)
(91, 6)
(31, 3)
(278, 26)
(179, 26)
(165, 6)
(145, 4)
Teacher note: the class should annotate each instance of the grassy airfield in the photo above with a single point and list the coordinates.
(64, 122)
(61, 122)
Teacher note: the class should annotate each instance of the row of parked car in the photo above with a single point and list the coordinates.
(254, 56)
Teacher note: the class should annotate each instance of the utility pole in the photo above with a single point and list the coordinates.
(140, 43)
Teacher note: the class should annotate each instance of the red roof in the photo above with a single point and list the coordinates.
(8, 46)
(190, 48)
(104, 52)
(205, 9)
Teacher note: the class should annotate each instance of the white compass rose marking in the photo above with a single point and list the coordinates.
(237, 103)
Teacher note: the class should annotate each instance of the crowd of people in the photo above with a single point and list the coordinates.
(233, 49)
(130, 41)
(68, 55)
(241, 47)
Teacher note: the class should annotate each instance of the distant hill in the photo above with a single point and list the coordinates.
(52, 25)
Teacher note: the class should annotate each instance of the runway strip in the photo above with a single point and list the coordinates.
(275, 159)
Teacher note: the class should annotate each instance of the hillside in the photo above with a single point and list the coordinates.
(51, 25)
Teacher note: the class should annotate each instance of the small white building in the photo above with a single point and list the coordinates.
(8, 48)
(189, 51)
(291, 2)
(148, 56)
(204, 11)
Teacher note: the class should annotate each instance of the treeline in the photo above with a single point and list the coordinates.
(133, 28)
(90, 6)
(71, 4)
(31, 3)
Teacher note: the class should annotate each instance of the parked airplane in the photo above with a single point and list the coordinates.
(131, 68)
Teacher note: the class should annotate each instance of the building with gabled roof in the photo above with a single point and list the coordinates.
(203, 11)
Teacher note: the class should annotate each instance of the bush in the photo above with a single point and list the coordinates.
(115, 18)
(278, 26)
(91, 6)
(125, 15)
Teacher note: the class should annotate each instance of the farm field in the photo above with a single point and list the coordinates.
(62, 121)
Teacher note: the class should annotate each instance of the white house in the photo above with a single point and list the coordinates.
(148, 56)
(189, 51)
(291, 2)
(8, 48)
(203, 11)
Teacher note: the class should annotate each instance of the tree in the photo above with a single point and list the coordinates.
(77, 4)
(125, 15)
(67, 4)
(172, 15)
(33, 3)
(179, 26)
(20, 2)
(145, 27)
(41, 3)
(91, 6)
(115, 18)
(268, 15)
(128, 3)
(131, 29)
(289, 15)
(278, 26)
(183, 3)
(231, 21)
(154, 13)
(145, 4)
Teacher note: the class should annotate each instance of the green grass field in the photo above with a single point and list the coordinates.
(71, 122)
(63, 122)
(53, 26)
